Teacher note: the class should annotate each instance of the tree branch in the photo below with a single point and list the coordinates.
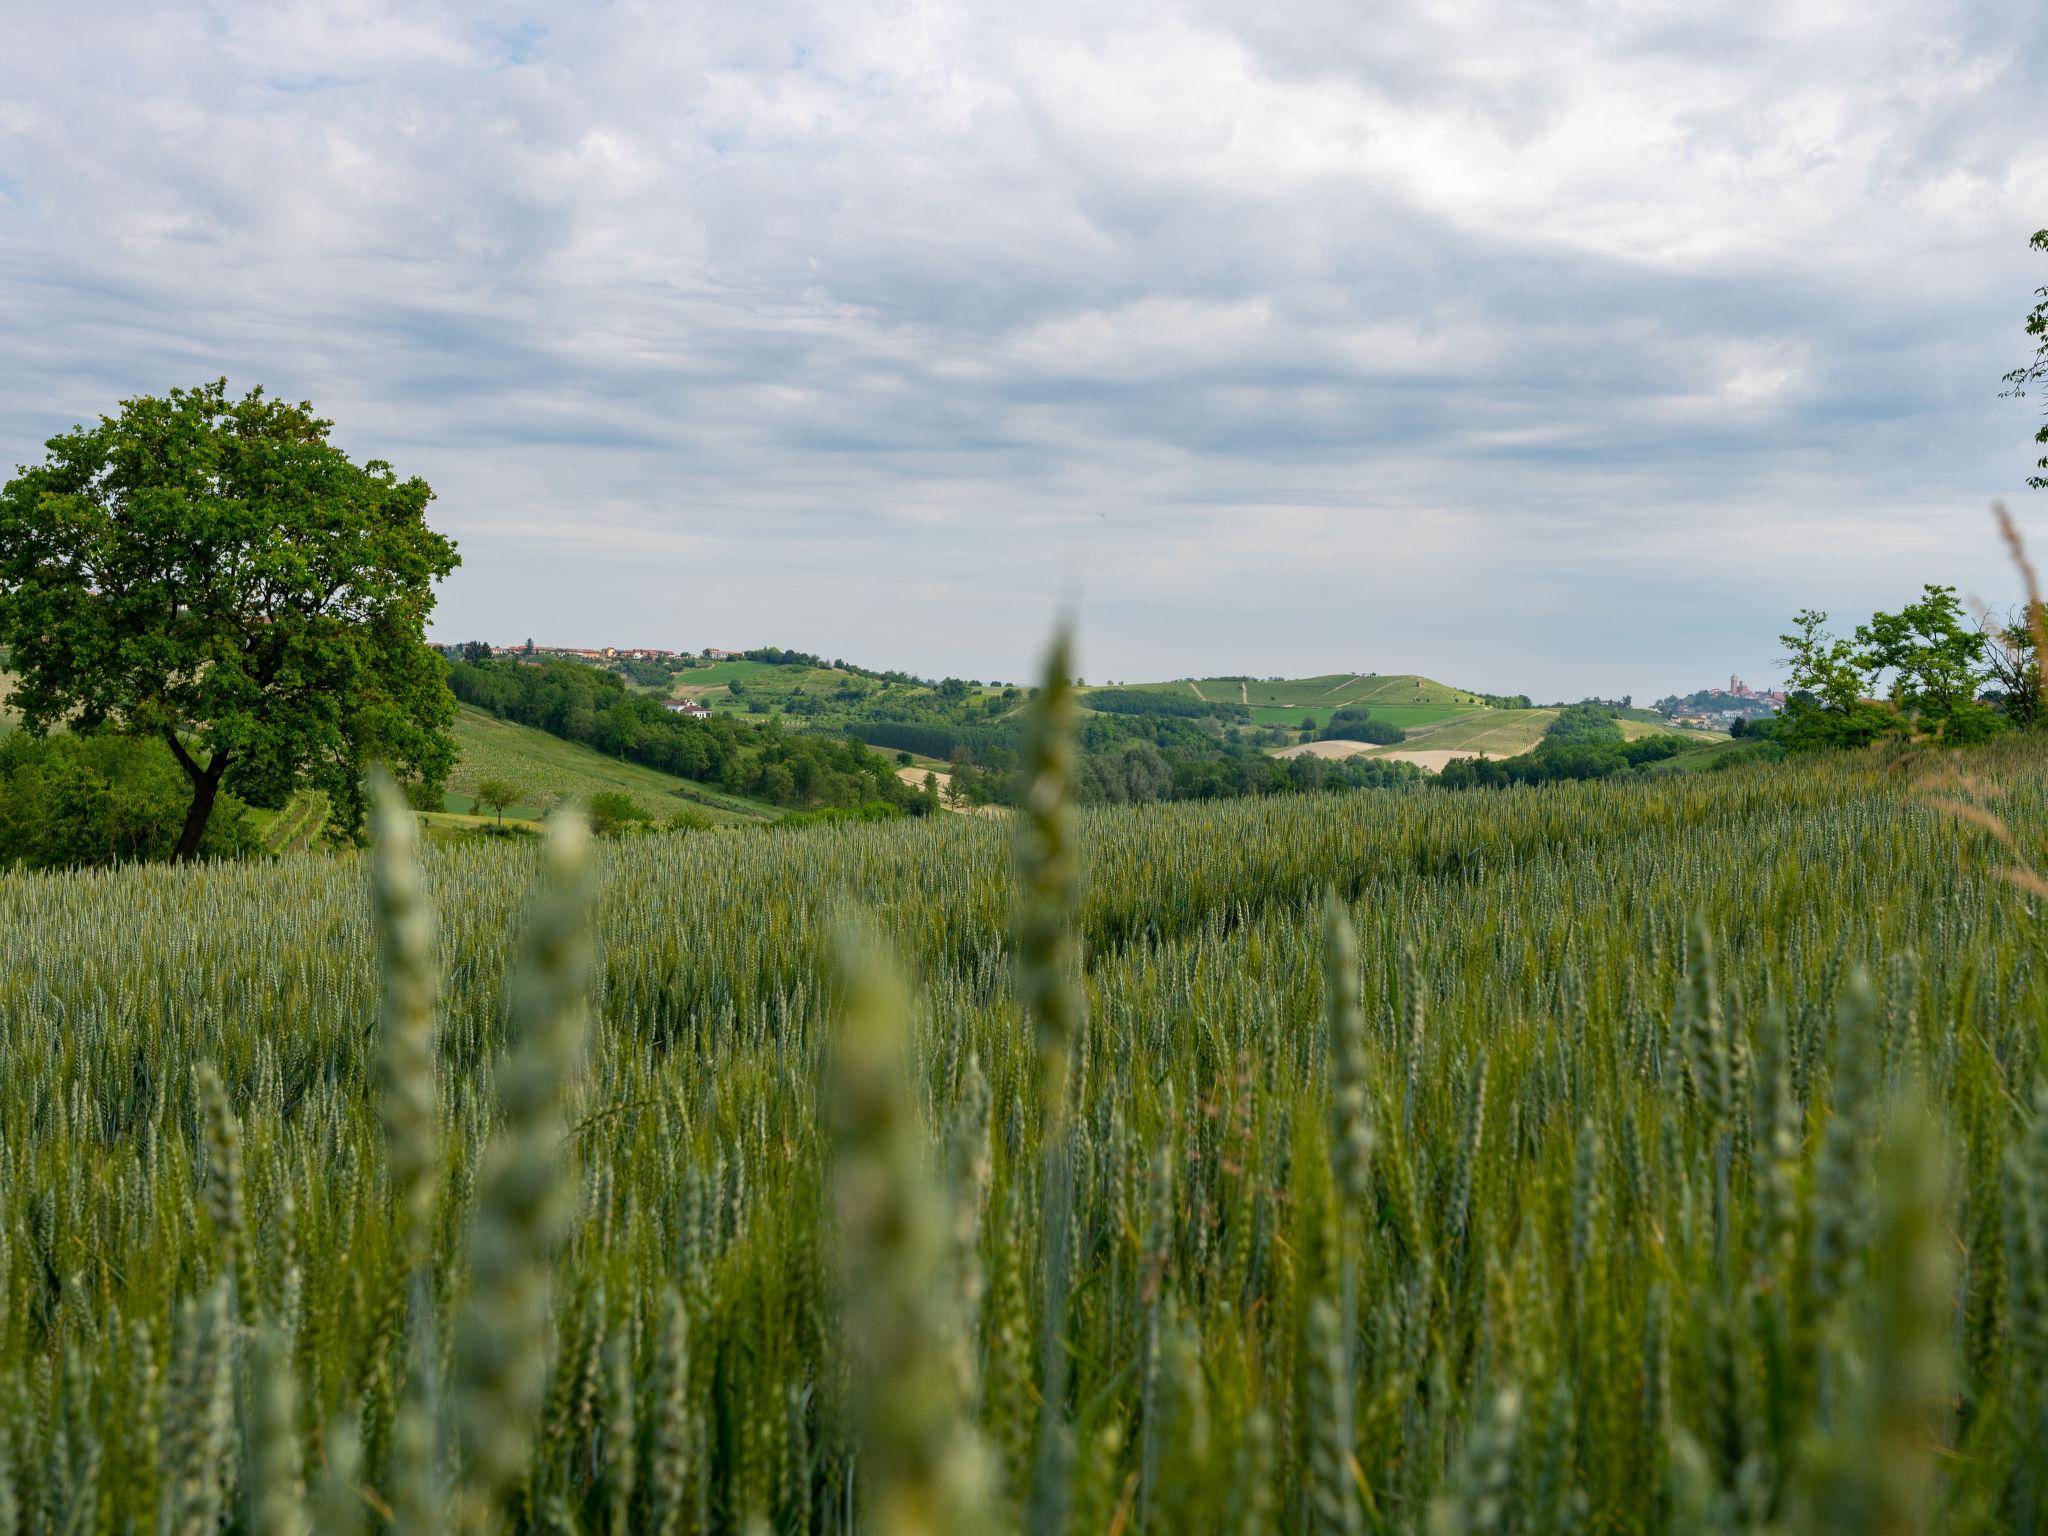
(185, 759)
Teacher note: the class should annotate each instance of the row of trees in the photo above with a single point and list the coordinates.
(592, 707)
(1355, 722)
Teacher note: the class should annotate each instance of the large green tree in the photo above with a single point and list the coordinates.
(1934, 658)
(216, 573)
(2035, 370)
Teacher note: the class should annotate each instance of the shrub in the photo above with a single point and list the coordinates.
(613, 811)
(71, 799)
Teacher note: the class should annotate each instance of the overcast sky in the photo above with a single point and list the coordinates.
(1560, 347)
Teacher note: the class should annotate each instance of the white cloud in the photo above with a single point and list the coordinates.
(1553, 347)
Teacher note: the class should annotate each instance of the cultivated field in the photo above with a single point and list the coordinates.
(1312, 695)
(1484, 733)
(1661, 1151)
(548, 769)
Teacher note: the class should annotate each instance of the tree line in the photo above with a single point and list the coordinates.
(591, 706)
(1924, 671)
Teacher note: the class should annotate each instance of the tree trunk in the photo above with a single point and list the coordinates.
(205, 784)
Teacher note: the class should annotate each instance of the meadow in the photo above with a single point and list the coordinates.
(1652, 1155)
(1407, 716)
(548, 770)
(1333, 691)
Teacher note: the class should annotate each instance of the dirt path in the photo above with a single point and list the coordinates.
(1339, 688)
(1244, 691)
(1195, 691)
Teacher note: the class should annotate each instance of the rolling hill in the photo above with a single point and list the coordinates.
(1441, 721)
(1332, 691)
(546, 768)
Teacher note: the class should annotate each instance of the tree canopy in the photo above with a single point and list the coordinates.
(2035, 369)
(217, 574)
(1925, 660)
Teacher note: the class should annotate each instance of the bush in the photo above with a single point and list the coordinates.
(613, 812)
(73, 800)
(1356, 723)
(422, 796)
(1584, 724)
(1969, 723)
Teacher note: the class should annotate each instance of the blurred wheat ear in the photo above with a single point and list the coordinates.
(500, 1365)
(921, 1462)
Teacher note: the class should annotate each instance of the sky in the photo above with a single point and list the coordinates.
(1563, 347)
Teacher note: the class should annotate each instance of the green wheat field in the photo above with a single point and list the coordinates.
(1642, 1156)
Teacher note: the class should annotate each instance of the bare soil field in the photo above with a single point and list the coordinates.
(1431, 760)
(1328, 749)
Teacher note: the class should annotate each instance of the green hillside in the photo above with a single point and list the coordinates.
(1506, 732)
(1332, 691)
(546, 768)
(1499, 732)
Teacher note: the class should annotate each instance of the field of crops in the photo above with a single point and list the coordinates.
(547, 769)
(1661, 1155)
(1320, 693)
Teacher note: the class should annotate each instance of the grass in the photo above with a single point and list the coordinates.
(1710, 752)
(1497, 732)
(1504, 732)
(1390, 1161)
(1314, 694)
(295, 826)
(1632, 728)
(545, 768)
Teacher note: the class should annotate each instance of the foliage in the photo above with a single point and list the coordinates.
(1556, 759)
(1935, 659)
(612, 813)
(2036, 369)
(589, 706)
(1144, 701)
(2011, 656)
(494, 795)
(218, 575)
(552, 771)
(1584, 1170)
(1586, 724)
(1930, 663)
(643, 672)
(86, 799)
(1356, 723)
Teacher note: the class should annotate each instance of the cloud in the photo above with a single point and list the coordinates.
(1561, 347)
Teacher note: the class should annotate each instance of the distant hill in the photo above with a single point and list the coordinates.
(1399, 698)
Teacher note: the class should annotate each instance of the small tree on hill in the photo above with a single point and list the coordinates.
(495, 795)
(216, 574)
